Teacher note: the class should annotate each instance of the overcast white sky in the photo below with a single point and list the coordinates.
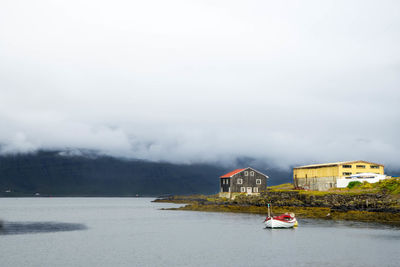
(285, 82)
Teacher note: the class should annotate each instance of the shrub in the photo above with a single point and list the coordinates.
(390, 185)
(366, 185)
(353, 184)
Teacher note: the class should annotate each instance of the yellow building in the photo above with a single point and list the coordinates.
(324, 176)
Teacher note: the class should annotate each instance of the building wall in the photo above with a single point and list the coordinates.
(319, 183)
(225, 184)
(328, 171)
(248, 181)
(343, 182)
(234, 187)
(325, 177)
(356, 168)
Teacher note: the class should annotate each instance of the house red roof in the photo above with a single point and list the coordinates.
(229, 174)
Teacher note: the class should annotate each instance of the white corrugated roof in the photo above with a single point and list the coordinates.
(364, 174)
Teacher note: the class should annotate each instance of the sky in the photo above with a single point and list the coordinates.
(283, 82)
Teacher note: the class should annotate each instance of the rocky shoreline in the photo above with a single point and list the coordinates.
(366, 207)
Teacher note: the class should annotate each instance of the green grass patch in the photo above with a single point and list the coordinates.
(354, 184)
(287, 186)
(391, 186)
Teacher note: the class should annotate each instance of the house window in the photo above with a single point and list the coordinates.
(346, 166)
(251, 173)
(243, 189)
(347, 173)
(258, 181)
(255, 189)
(240, 181)
(374, 167)
(361, 166)
(246, 173)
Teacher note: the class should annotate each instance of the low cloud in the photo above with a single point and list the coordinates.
(201, 82)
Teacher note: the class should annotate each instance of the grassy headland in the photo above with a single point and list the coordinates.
(379, 202)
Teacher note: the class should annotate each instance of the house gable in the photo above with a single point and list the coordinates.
(247, 180)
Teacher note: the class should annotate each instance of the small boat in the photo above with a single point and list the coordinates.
(286, 220)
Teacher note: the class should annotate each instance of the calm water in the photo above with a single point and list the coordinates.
(134, 232)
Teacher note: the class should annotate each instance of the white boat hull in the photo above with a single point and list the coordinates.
(271, 223)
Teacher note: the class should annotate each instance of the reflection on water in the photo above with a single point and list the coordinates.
(346, 224)
(16, 228)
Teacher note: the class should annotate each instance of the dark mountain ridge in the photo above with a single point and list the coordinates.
(51, 173)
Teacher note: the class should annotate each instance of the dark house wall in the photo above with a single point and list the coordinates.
(225, 183)
(248, 181)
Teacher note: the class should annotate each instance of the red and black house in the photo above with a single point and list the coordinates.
(248, 181)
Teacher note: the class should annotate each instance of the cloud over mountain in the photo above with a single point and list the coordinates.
(202, 81)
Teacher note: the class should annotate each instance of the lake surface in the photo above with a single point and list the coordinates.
(134, 232)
